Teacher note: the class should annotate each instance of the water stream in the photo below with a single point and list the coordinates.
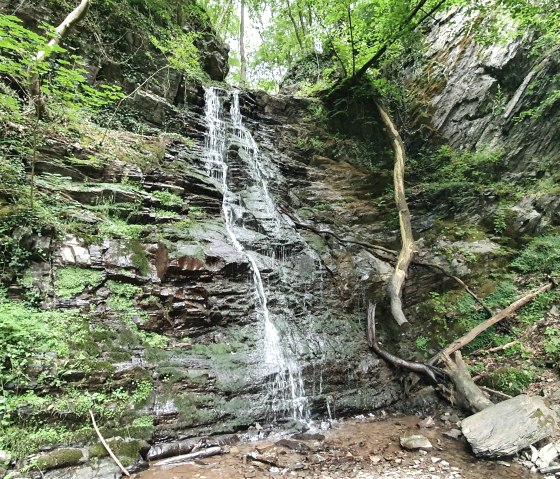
(286, 387)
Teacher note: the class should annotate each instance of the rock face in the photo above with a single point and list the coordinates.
(474, 92)
(510, 426)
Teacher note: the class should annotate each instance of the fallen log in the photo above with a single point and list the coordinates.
(211, 451)
(106, 446)
(496, 318)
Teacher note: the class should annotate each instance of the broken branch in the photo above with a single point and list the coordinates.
(106, 446)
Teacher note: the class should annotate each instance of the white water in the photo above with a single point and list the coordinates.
(286, 387)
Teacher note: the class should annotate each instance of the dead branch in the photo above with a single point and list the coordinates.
(268, 462)
(407, 249)
(35, 92)
(466, 393)
(373, 249)
(495, 393)
(434, 374)
(496, 318)
(457, 280)
(106, 446)
(211, 451)
(497, 348)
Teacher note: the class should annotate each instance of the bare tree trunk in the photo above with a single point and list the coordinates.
(350, 26)
(407, 249)
(242, 59)
(34, 78)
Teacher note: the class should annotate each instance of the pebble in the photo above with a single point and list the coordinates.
(435, 459)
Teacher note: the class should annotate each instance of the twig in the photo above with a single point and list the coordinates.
(106, 446)
(459, 281)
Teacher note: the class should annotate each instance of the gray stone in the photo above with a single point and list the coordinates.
(508, 427)
(547, 454)
(453, 434)
(102, 469)
(5, 457)
(415, 441)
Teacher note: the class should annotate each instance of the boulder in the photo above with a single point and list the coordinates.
(415, 441)
(508, 427)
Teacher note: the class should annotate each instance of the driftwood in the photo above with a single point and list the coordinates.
(34, 78)
(208, 452)
(407, 249)
(106, 446)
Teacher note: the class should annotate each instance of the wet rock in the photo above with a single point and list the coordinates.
(306, 436)
(413, 442)
(294, 445)
(510, 426)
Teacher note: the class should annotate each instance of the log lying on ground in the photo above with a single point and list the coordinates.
(407, 249)
(211, 451)
(496, 318)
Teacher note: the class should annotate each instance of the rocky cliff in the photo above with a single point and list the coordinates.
(151, 314)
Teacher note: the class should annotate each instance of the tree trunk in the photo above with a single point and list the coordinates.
(35, 92)
(405, 256)
(242, 59)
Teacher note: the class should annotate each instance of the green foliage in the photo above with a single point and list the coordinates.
(540, 256)
(64, 78)
(167, 198)
(551, 344)
(72, 280)
(511, 381)
(182, 53)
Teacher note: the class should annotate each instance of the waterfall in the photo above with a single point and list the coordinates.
(279, 362)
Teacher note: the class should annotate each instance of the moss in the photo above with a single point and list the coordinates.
(71, 280)
(59, 458)
(512, 381)
(139, 257)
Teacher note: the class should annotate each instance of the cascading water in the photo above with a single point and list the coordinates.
(287, 391)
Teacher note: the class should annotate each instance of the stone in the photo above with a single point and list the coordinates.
(508, 427)
(546, 455)
(427, 422)
(5, 457)
(453, 434)
(415, 441)
(102, 469)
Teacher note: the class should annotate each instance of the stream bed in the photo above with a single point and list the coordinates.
(365, 448)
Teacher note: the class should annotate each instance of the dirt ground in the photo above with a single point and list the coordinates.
(364, 448)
